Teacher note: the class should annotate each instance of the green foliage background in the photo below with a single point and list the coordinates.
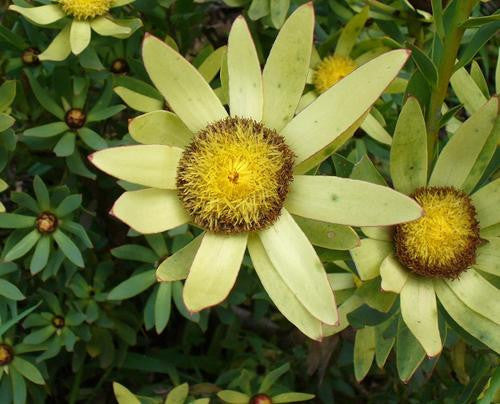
(120, 325)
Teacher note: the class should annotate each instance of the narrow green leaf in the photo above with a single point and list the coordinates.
(10, 291)
(69, 248)
(425, 65)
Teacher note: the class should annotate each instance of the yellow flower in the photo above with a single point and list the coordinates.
(239, 177)
(451, 253)
(85, 16)
(331, 70)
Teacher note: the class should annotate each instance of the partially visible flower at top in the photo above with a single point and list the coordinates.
(239, 177)
(79, 17)
(329, 70)
(452, 251)
(53, 217)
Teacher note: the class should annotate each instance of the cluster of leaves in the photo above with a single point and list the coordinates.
(80, 305)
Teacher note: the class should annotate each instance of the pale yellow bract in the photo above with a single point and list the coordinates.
(232, 182)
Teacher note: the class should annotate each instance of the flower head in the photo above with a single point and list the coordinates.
(443, 255)
(6, 354)
(238, 176)
(331, 70)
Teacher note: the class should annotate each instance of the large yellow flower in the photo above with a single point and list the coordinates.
(452, 252)
(84, 16)
(239, 177)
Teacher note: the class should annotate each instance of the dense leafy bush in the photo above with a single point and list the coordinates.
(306, 205)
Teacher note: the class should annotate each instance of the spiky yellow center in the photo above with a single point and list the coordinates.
(6, 354)
(331, 70)
(444, 241)
(85, 9)
(234, 176)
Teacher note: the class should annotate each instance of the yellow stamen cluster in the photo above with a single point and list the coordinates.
(85, 9)
(331, 70)
(234, 176)
(444, 241)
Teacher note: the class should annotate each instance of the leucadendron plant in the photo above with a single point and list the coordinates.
(40, 224)
(73, 128)
(240, 176)
(449, 256)
(76, 20)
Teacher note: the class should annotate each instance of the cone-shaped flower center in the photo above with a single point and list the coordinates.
(30, 57)
(46, 223)
(331, 70)
(58, 322)
(261, 399)
(234, 176)
(6, 354)
(119, 66)
(85, 9)
(444, 241)
(75, 118)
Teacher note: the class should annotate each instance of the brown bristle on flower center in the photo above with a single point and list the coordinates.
(261, 399)
(75, 118)
(58, 322)
(442, 243)
(6, 354)
(30, 57)
(46, 223)
(234, 176)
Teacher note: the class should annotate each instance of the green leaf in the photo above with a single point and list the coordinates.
(163, 306)
(272, 377)
(41, 255)
(364, 352)
(69, 248)
(40, 335)
(14, 320)
(48, 130)
(23, 246)
(68, 205)
(133, 286)
(7, 93)
(124, 395)
(78, 230)
(41, 193)
(66, 145)
(104, 113)
(134, 252)
(92, 139)
(475, 22)
(18, 387)
(279, 10)
(351, 32)
(10, 291)
(409, 352)
(178, 394)
(328, 235)
(477, 41)
(291, 397)
(233, 397)
(28, 370)
(425, 65)
(15, 221)
(44, 98)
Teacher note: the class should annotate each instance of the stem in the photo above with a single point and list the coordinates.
(451, 44)
(75, 388)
